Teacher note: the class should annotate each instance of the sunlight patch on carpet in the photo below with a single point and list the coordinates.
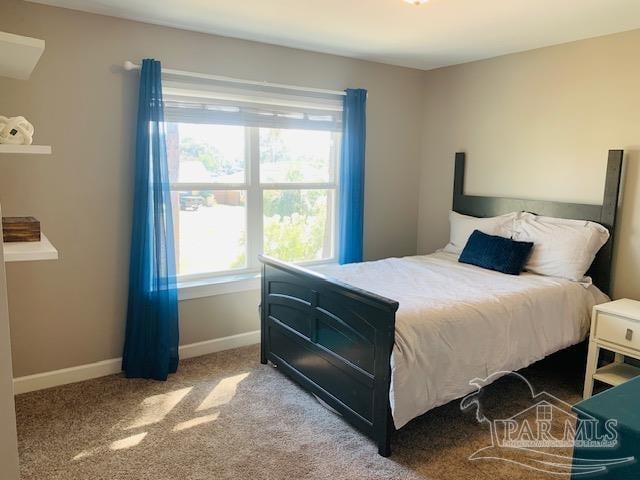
(223, 392)
(157, 407)
(128, 442)
(194, 422)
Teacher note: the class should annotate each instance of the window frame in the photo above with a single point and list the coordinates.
(254, 225)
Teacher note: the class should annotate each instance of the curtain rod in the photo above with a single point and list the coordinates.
(128, 65)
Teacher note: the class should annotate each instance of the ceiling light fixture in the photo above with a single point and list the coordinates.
(416, 2)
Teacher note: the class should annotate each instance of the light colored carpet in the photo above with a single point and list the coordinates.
(225, 416)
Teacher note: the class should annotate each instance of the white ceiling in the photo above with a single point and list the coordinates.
(435, 34)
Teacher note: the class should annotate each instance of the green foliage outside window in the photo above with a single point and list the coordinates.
(294, 223)
(207, 154)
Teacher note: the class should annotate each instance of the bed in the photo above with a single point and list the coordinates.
(384, 342)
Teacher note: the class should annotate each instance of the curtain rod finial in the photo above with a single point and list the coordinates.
(128, 65)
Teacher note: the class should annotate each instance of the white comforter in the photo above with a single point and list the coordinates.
(458, 322)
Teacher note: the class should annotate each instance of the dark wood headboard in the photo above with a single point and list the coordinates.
(605, 214)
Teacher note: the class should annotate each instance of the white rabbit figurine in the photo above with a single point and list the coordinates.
(15, 131)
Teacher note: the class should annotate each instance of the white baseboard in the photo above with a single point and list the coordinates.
(219, 344)
(80, 373)
(40, 381)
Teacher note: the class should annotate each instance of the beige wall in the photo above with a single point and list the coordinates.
(537, 125)
(71, 312)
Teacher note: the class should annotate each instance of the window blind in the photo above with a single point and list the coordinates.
(253, 108)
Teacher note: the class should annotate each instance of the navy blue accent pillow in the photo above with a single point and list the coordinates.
(496, 253)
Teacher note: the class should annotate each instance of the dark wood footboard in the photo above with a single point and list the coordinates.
(332, 339)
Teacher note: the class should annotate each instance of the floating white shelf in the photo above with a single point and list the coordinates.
(616, 373)
(30, 251)
(26, 149)
(19, 55)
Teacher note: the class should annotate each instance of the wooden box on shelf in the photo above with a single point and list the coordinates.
(20, 229)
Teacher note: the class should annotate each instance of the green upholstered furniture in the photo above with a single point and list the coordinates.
(621, 403)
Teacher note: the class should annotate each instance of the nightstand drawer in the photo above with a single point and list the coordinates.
(618, 330)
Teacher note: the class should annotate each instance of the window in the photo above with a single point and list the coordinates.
(544, 413)
(251, 175)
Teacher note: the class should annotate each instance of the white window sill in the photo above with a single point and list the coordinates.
(209, 287)
(233, 283)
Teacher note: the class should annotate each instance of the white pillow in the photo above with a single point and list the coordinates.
(561, 247)
(462, 226)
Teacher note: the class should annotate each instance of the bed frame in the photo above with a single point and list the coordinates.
(335, 340)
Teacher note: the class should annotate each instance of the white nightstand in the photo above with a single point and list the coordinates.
(615, 326)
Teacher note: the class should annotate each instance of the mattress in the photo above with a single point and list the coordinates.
(457, 323)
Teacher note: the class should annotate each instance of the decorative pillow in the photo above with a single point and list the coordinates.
(496, 253)
(462, 226)
(563, 248)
